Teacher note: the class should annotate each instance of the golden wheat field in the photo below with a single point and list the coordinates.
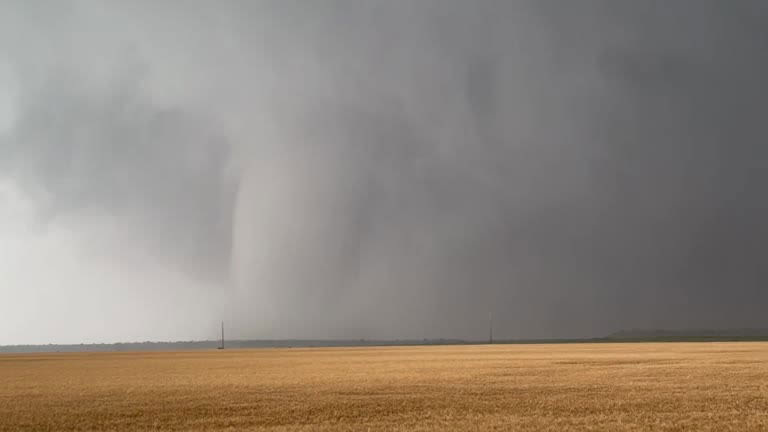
(659, 386)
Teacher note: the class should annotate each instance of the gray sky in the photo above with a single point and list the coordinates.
(380, 169)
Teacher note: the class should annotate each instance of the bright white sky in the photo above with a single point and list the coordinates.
(55, 289)
(57, 286)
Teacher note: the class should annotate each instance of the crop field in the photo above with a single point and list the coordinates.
(637, 386)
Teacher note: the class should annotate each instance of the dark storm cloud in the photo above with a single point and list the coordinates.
(399, 169)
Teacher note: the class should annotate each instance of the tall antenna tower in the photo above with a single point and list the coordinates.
(490, 328)
(222, 336)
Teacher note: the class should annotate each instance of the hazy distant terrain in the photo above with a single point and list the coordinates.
(745, 334)
(634, 335)
(210, 344)
(548, 387)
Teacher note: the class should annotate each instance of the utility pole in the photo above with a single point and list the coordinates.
(490, 328)
(222, 335)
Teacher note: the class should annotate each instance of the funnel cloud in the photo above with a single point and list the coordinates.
(380, 169)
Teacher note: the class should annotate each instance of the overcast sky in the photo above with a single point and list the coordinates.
(380, 169)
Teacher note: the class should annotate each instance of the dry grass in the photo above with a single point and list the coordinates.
(665, 386)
